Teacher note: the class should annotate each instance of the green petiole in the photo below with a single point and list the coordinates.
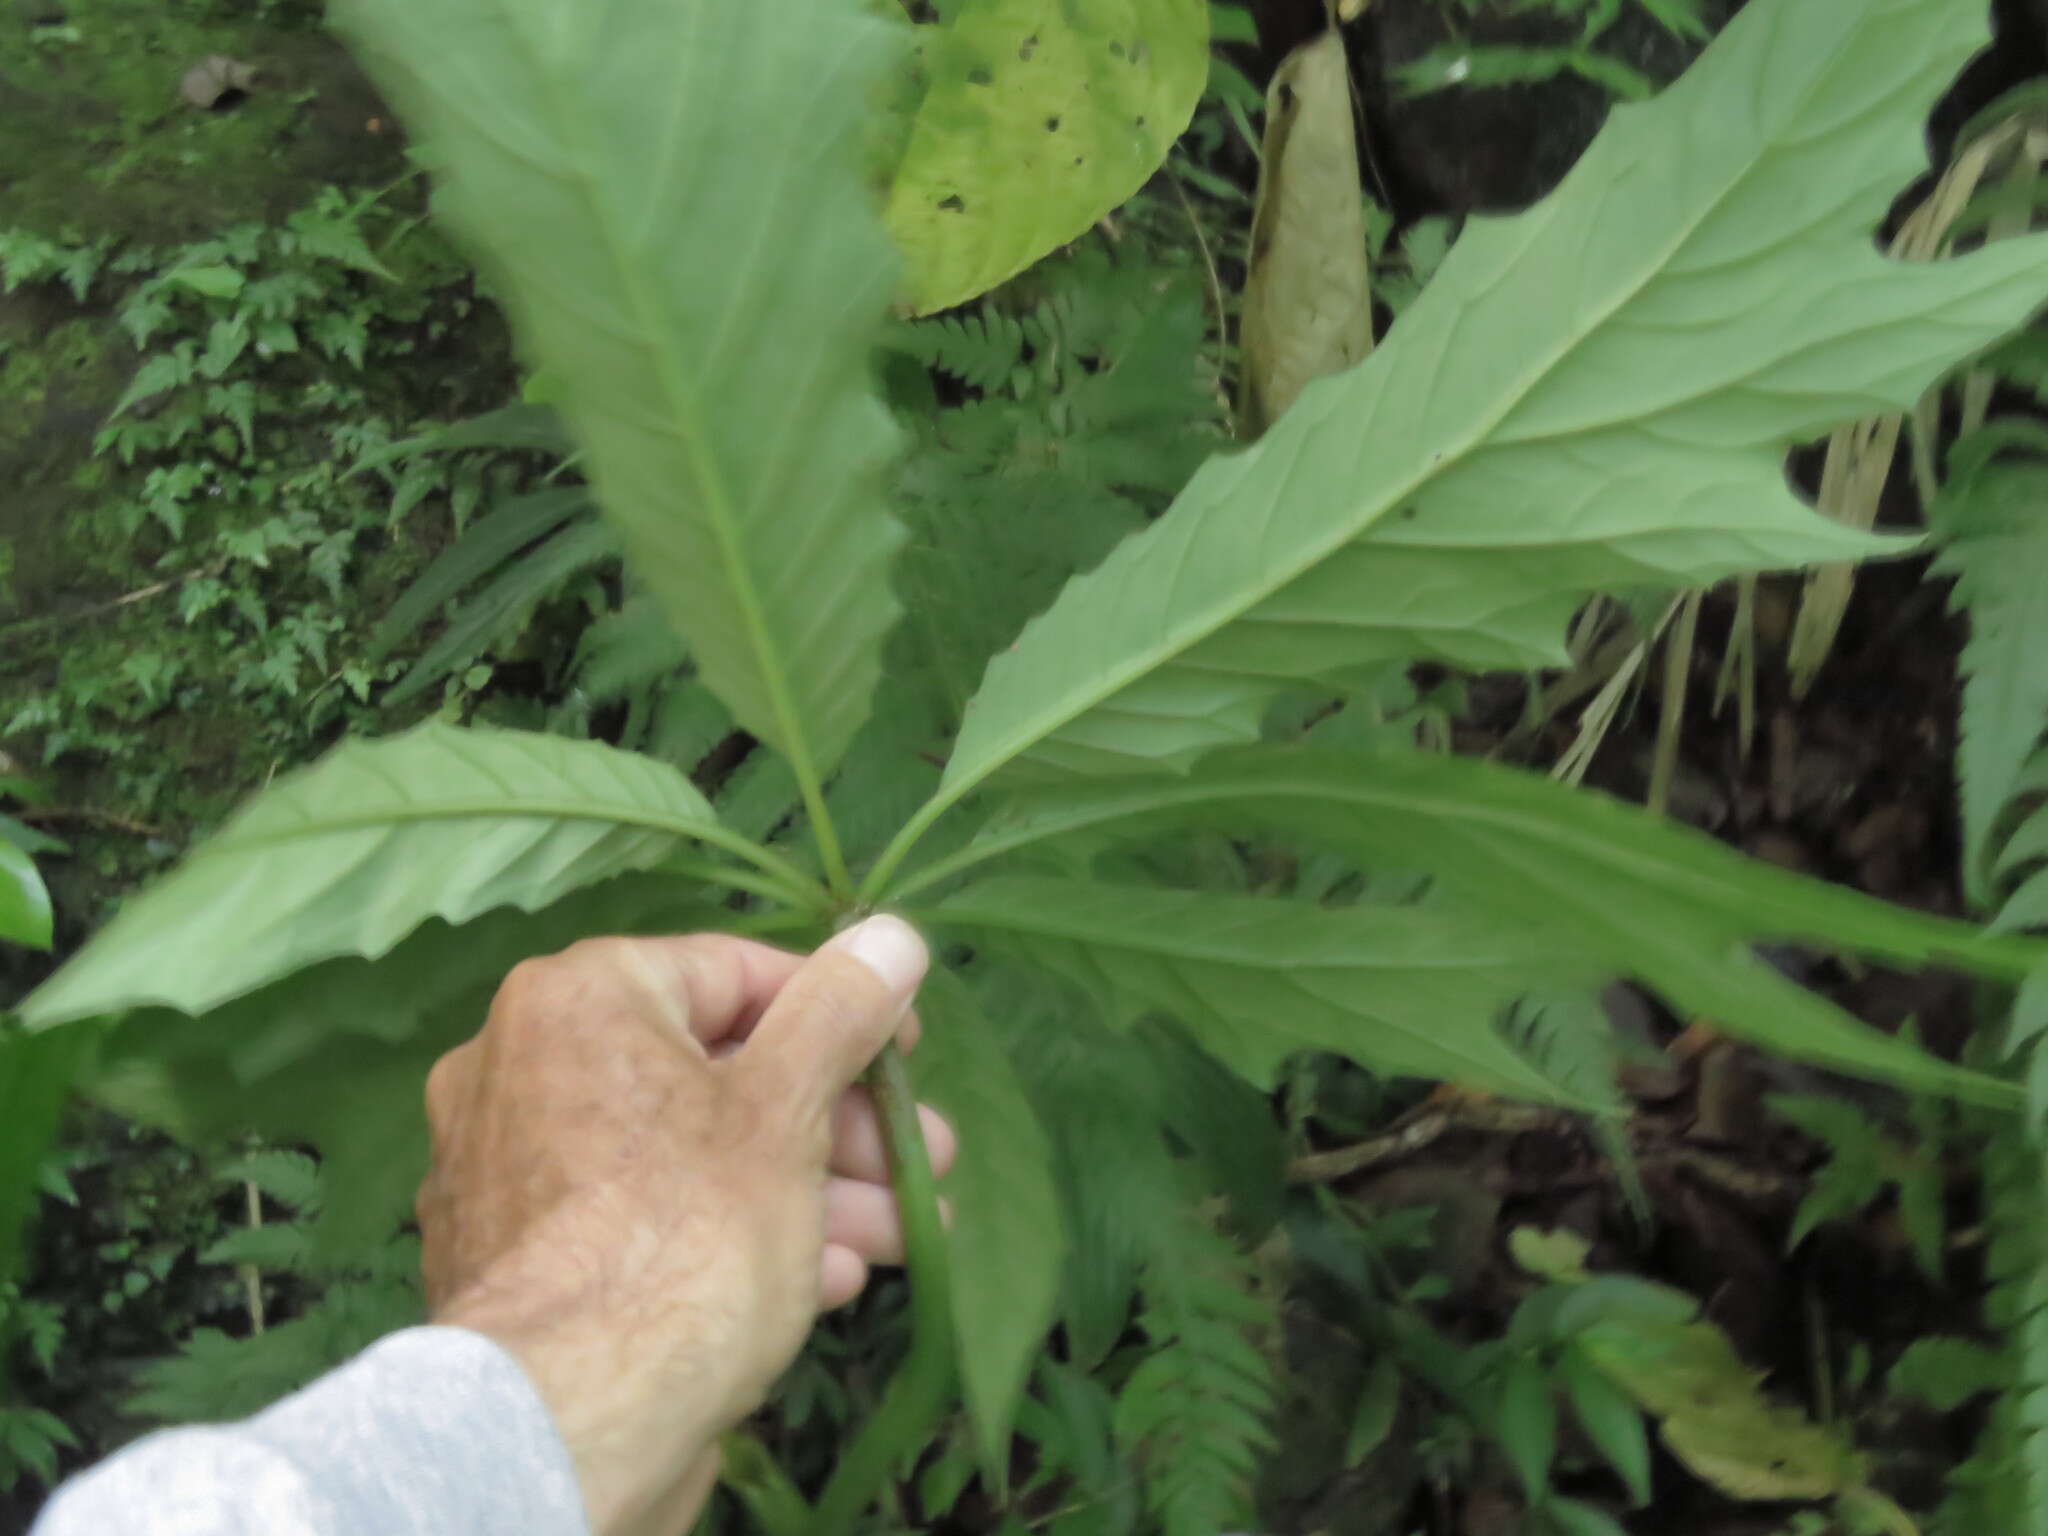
(923, 1382)
(921, 1385)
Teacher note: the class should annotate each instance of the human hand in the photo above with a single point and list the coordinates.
(650, 1170)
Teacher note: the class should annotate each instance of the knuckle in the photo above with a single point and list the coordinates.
(602, 954)
(539, 992)
(527, 987)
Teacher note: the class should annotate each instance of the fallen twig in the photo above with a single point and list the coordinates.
(43, 815)
(140, 594)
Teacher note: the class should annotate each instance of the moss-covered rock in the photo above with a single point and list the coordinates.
(94, 135)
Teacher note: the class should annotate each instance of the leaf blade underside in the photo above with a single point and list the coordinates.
(1597, 393)
(668, 199)
(350, 855)
(1614, 890)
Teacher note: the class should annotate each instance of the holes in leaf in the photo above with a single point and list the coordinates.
(1116, 50)
(953, 204)
(1028, 47)
(1079, 158)
(1141, 121)
(980, 76)
(1052, 125)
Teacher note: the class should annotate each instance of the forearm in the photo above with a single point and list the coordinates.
(434, 1431)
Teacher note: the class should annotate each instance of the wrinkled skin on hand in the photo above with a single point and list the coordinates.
(651, 1169)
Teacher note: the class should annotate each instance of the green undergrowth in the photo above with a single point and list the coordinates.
(1173, 984)
(191, 559)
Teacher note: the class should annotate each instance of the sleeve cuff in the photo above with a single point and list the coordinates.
(430, 1432)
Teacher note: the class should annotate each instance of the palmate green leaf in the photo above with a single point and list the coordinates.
(1610, 889)
(1596, 393)
(1006, 1242)
(349, 856)
(1037, 119)
(668, 198)
(1407, 990)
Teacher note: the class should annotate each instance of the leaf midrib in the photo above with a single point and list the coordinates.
(1152, 659)
(500, 809)
(1177, 945)
(710, 482)
(2013, 957)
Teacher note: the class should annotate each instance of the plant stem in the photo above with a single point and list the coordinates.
(793, 879)
(771, 1498)
(976, 852)
(900, 846)
(925, 1378)
(837, 878)
(775, 887)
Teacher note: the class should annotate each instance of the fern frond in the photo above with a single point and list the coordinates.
(214, 1377)
(368, 1293)
(1195, 1414)
(980, 347)
(290, 1178)
(628, 648)
(1992, 518)
(282, 1245)
(2003, 1486)
(1568, 1038)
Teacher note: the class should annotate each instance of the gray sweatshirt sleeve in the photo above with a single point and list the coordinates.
(430, 1432)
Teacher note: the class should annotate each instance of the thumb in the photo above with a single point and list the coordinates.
(837, 1012)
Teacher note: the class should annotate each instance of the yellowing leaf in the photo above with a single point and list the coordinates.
(1040, 117)
(1714, 1417)
(1557, 1254)
(1307, 302)
(1759, 1450)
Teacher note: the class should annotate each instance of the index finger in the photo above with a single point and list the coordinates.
(709, 987)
